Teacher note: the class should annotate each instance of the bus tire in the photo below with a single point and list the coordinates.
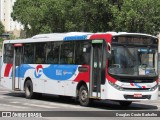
(125, 103)
(83, 96)
(29, 94)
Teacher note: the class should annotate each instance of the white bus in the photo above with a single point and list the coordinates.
(114, 66)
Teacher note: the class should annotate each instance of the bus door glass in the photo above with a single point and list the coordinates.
(96, 68)
(16, 66)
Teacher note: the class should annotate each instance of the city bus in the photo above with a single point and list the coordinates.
(120, 67)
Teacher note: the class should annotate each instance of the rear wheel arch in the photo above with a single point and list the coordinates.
(29, 89)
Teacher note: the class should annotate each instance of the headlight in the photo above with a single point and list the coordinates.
(115, 86)
(153, 88)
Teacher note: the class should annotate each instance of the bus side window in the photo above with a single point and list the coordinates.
(28, 57)
(48, 47)
(82, 52)
(53, 54)
(39, 54)
(66, 53)
(8, 53)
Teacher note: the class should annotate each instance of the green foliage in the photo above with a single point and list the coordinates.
(1, 28)
(1, 39)
(137, 16)
(44, 16)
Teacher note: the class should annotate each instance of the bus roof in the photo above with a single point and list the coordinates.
(125, 33)
(53, 37)
(68, 36)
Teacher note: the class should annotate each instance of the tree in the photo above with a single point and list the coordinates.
(62, 15)
(30, 14)
(137, 16)
(44, 16)
(88, 15)
(1, 28)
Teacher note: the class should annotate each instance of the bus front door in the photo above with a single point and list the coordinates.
(96, 68)
(16, 67)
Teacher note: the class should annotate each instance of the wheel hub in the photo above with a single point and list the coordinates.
(84, 95)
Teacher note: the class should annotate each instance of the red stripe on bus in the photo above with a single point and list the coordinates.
(143, 86)
(7, 70)
(38, 67)
(157, 81)
(85, 76)
(112, 80)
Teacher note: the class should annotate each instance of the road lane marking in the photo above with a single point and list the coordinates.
(15, 102)
(36, 105)
(6, 105)
(2, 97)
(4, 91)
(66, 105)
(44, 106)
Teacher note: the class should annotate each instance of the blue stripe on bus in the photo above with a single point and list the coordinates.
(60, 72)
(82, 37)
(52, 72)
(137, 85)
(23, 68)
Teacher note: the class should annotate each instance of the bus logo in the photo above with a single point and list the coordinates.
(67, 72)
(38, 71)
(58, 72)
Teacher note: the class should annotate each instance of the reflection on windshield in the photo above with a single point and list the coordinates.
(133, 61)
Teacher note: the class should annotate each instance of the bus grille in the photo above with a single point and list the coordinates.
(132, 97)
(137, 80)
(137, 89)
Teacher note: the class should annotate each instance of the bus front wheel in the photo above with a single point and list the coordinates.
(29, 89)
(83, 96)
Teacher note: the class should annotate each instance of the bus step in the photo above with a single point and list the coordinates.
(17, 89)
(95, 97)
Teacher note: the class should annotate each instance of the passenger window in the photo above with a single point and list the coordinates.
(82, 52)
(40, 53)
(8, 53)
(66, 53)
(52, 53)
(28, 56)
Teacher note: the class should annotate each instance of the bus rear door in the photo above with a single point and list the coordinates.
(16, 66)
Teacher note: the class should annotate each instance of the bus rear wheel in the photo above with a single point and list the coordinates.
(83, 96)
(29, 89)
(125, 103)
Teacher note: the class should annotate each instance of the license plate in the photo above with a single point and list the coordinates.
(137, 95)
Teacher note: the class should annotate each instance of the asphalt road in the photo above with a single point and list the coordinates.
(16, 101)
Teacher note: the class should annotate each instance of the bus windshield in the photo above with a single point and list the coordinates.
(133, 61)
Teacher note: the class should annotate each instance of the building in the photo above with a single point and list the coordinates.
(6, 8)
(1, 4)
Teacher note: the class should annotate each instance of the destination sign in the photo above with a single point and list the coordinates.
(140, 40)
